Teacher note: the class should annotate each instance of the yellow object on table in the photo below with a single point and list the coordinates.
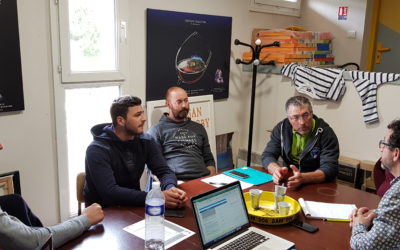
(266, 214)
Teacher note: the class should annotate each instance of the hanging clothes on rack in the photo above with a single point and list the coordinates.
(366, 84)
(318, 83)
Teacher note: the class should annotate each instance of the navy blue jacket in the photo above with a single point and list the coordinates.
(114, 168)
(321, 151)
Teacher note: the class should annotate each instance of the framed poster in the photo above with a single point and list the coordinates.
(11, 92)
(188, 50)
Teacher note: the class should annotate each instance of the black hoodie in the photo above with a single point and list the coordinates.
(114, 168)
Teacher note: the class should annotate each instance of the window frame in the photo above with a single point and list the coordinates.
(67, 75)
(94, 79)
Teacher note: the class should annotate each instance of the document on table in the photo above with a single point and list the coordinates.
(328, 211)
(222, 179)
(173, 232)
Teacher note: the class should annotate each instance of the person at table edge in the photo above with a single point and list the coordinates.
(20, 228)
(307, 144)
(380, 228)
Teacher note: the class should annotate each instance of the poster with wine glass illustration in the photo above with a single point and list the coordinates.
(11, 89)
(188, 50)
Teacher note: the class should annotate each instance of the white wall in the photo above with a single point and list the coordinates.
(322, 15)
(29, 136)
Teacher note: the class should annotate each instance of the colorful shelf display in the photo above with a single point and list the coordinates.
(307, 48)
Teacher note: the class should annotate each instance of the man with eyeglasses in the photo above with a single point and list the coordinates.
(380, 228)
(307, 145)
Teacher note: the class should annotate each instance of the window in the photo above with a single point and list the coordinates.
(84, 107)
(89, 40)
(284, 7)
(90, 51)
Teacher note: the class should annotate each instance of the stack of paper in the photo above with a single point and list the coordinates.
(328, 211)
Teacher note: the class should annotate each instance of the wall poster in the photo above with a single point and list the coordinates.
(188, 50)
(11, 91)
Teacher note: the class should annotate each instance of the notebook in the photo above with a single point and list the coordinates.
(328, 211)
(221, 218)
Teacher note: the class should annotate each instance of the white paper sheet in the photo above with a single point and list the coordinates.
(173, 232)
(324, 210)
(222, 179)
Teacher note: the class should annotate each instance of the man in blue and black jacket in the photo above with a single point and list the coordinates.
(307, 144)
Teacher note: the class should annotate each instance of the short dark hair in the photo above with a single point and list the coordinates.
(120, 106)
(298, 101)
(394, 139)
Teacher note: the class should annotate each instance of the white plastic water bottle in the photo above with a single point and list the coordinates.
(155, 209)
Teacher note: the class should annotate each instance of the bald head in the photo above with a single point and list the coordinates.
(176, 99)
(173, 91)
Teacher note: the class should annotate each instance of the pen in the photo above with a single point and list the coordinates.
(218, 183)
(338, 220)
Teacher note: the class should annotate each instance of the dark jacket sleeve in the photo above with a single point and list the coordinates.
(98, 167)
(273, 149)
(329, 154)
(156, 163)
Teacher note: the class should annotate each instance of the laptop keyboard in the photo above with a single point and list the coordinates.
(247, 241)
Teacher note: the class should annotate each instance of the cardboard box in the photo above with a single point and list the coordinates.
(348, 170)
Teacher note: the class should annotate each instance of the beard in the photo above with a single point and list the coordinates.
(181, 115)
(132, 132)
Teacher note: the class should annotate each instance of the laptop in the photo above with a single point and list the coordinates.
(222, 222)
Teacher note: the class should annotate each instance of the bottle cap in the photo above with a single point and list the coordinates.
(155, 184)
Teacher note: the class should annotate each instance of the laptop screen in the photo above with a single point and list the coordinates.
(220, 213)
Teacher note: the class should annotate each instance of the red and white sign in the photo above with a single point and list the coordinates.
(342, 13)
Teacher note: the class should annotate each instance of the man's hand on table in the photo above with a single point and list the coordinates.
(296, 179)
(362, 215)
(94, 213)
(175, 198)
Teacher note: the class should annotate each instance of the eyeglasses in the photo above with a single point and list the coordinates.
(304, 116)
(382, 143)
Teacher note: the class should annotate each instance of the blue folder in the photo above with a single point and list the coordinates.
(255, 177)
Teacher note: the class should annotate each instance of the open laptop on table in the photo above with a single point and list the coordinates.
(222, 222)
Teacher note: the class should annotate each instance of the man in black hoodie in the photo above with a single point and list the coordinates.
(307, 145)
(116, 158)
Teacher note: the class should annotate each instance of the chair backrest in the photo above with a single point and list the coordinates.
(368, 168)
(379, 174)
(382, 179)
(80, 182)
